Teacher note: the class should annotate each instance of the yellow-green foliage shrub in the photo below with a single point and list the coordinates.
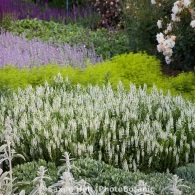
(12, 77)
(135, 68)
(129, 68)
(184, 84)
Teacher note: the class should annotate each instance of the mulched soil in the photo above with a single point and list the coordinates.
(169, 71)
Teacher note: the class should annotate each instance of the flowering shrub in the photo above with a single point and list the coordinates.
(27, 54)
(131, 129)
(109, 10)
(177, 42)
(141, 26)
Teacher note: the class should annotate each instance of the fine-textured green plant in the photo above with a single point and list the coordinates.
(104, 42)
(99, 174)
(184, 84)
(25, 173)
(11, 77)
(137, 68)
(187, 172)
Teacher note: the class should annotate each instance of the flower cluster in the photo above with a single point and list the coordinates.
(165, 45)
(166, 41)
(178, 8)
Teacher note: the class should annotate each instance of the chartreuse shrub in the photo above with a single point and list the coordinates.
(129, 68)
(98, 175)
(104, 42)
(131, 129)
(184, 84)
(11, 77)
(25, 173)
(187, 172)
(136, 68)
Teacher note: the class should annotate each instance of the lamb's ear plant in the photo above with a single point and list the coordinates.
(175, 185)
(7, 153)
(22, 192)
(41, 187)
(141, 188)
(3, 181)
(68, 185)
(95, 192)
(67, 166)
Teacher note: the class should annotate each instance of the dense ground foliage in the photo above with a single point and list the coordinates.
(99, 174)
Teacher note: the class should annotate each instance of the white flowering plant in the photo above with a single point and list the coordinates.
(140, 19)
(130, 129)
(176, 37)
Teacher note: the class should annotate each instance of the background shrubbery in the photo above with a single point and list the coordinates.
(140, 21)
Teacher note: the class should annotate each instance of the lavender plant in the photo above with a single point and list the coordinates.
(27, 54)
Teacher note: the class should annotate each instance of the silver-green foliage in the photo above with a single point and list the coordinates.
(7, 153)
(25, 174)
(187, 172)
(99, 174)
(130, 129)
